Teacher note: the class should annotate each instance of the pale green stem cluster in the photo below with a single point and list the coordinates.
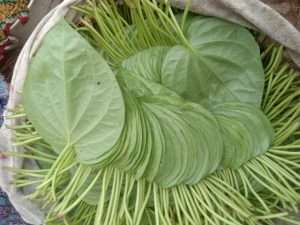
(152, 24)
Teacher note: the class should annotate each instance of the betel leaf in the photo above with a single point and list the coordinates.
(187, 144)
(193, 143)
(246, 131)
(221, 64)
(174, 83)
(72, 97)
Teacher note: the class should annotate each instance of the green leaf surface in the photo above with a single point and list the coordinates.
(221, 64)
(246, 131)
(72, 97)
(183, 130)
(193, 142)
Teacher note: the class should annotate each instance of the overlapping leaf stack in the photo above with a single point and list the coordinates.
(155, 117)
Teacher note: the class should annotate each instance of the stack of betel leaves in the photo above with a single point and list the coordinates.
(147, 115)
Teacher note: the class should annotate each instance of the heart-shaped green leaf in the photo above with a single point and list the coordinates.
(222, 63)
(72, 97)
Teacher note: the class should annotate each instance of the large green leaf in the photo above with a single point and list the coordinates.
(222, 63)
(72, 97)
(246, 132)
